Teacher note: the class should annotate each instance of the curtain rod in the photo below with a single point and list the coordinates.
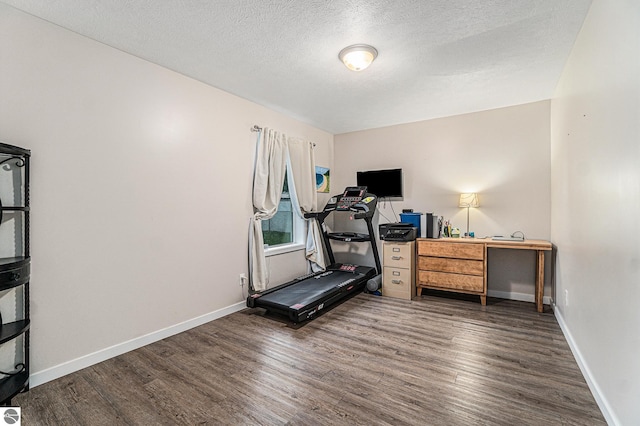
(257, 128)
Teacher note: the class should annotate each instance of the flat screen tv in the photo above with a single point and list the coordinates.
(383, 183)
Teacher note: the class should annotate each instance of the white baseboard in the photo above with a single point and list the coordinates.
(604, 406)
(522, 297)
(44, 376)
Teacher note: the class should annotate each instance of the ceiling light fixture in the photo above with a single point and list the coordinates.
(358, 56)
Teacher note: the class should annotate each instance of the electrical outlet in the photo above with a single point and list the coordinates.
(566, 297)
(243, 280)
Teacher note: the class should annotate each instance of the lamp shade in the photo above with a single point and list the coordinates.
(469, 200)
(358, 56)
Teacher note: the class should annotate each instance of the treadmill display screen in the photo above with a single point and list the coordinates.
(351, 196)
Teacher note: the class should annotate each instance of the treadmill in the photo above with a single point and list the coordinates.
(302, 298)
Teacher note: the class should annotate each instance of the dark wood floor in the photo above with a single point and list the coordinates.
(370, 361)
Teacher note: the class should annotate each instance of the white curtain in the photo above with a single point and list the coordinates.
(275, 154)
(268, 179)
(302, 168)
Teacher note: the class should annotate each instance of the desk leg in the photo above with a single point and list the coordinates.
(540, 281)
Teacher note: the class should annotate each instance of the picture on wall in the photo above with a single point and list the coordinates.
(322, 179)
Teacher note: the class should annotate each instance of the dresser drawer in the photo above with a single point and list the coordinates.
(458, 266)
(398, 254)
(397, 282)
(454, 282)
(450, 249)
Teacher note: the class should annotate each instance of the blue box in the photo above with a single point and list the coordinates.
(414, 219)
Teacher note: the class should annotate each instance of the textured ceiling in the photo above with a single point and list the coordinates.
(436, 58)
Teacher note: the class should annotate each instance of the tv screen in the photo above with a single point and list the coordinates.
(383, 183)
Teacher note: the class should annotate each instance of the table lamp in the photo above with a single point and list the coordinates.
(468, 200)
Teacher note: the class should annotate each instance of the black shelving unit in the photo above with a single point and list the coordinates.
(15, 269)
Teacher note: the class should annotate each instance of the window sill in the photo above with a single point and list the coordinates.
(284, 248)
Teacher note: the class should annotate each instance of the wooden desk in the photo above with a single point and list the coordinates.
(460, 264)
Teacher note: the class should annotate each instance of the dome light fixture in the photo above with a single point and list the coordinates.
(358, 56)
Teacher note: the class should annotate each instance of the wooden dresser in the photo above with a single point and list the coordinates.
(398, 258)
(452, 264)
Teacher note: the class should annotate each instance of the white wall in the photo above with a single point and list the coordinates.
(140, 190)
(595, 140)
(502, 154)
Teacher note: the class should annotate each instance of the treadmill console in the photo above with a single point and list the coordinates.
(352, 195)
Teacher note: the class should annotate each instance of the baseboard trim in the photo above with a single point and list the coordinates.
(55, 372)
(522, 297)
(602, 402)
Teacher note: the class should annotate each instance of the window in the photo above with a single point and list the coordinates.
(285, 230)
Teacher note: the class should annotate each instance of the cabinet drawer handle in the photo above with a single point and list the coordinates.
(396, 281)
(14, 276)
(396, 273)
(396, 249)
(396, 257)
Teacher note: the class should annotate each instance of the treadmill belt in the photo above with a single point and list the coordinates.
(307, 291)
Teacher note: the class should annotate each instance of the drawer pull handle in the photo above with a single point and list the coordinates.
(396, 273)
(396, 249)
(396, 281)
(396, 257)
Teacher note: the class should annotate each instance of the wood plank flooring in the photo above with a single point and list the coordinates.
(370, 361)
